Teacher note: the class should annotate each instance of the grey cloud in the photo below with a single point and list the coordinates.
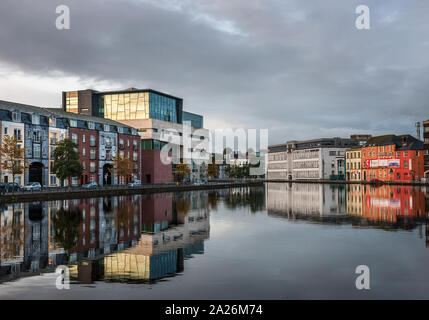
(300, 68)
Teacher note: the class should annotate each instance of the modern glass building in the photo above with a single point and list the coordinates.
(129, 104)
(196, 120)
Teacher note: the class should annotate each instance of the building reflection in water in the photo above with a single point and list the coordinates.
(388, 206)
(126, 238)
(306, 201)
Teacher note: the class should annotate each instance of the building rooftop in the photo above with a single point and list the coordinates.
(129, 90)
(402, 142)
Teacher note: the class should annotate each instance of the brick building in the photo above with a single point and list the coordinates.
(426, 146)
(393, 158)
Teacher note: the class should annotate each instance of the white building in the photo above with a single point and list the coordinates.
(317, 159)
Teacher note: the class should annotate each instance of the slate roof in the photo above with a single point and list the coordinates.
(402, 142)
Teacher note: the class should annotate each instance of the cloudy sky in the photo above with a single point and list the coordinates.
(300, 68)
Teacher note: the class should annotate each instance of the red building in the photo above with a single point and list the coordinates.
(426, 141)
(393, 158)
(392, 203)
(87, 144)
(153, 170)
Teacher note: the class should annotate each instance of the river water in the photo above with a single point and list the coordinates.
(281, 241)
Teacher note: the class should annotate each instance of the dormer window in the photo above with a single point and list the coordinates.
(120, 130)
(15, 115)
(52, 121)
(91, 125)
(35, 118)
(106, 127)
(73, 123)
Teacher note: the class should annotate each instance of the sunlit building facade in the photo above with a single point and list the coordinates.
(158, 117)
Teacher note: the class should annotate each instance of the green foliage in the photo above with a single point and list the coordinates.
(66, 164)
(66, 225)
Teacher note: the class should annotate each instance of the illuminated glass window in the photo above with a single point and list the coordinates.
(72, 102)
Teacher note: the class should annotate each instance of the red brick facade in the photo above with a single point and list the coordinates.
(153, 170)
(88, 153)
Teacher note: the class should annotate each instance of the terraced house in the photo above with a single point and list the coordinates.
(393, 158)
(40, 130)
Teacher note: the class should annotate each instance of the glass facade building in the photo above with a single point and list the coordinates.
(130, 104)
(138, 105)
(195, 119)
(72, 102)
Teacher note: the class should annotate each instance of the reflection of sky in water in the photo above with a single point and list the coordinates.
(255, 254)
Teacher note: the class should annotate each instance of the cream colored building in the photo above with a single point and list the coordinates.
(11, 128)
(55, 136)
(353, 164)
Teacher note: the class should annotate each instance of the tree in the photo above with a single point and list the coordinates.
(182, 170)
(13, 156)
(213, 168)
(66, 164)
(122, 168)
(66, 225)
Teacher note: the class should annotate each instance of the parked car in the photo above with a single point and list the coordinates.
(12, 187)
(33, 186)
(3, 188)
(136, 183)
(91, 185)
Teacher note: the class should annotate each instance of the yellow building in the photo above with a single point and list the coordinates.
(354, 164)
(354, 199)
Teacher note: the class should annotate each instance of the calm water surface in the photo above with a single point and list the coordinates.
(281, 241)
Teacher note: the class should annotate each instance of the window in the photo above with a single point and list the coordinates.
(398, 154)
(15, 116)
(36, 136)
(128, 142)
(121, 155)
(91, 125)
(53, 180)
(405, 164)
(121, 143)
(92, 141)
(74, 138)
(35, 118)
(5, 131)
(120, 130)
(52, 121)
(83, 138)
(83, 152)
(106, 127)
(92, 167)
(84, 165)
(135, 156)
(54, 138)
(92, 154)
(135, 145)
(405, 154)
(73, 123)
(36, 150)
